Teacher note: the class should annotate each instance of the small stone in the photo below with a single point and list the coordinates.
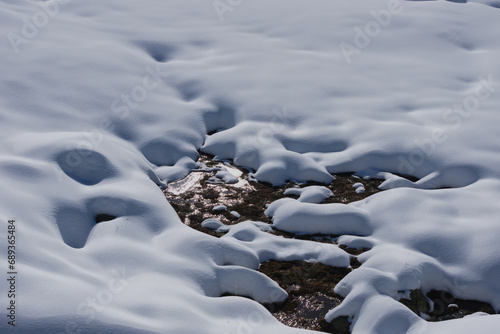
(219, 208)
(360, 190)
(359, 187)
(212, 224)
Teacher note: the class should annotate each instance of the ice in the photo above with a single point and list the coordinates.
(183, 185)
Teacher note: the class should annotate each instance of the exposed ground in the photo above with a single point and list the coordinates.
(310, 290)
(446, 306)
(248, 198)
(309, 285)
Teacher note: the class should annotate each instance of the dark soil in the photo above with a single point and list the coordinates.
(343, 190)
(309, 285)
(196, 205)
(310, 289)
(446, 306)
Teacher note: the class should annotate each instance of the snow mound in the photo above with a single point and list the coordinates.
(308, 218)
(311, 194)
(266, 246)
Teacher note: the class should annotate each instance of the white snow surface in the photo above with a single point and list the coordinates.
(310, 194)
(359, 188)
(256, 236)
(102, 103)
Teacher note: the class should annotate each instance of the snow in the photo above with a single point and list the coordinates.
(359, 188)
(311, 194)
(235, 213)
(225, 173)
(219, 208)
(223, 176)
(266, 246)
(103, 104)
(294, 216)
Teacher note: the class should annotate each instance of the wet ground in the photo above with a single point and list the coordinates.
(222, 191)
